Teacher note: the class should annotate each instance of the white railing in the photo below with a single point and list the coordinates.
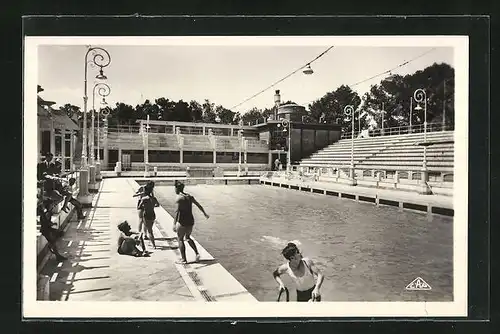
(401, 130)
(342, 172)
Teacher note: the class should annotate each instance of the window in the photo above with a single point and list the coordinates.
(45, 142)
(58, 146)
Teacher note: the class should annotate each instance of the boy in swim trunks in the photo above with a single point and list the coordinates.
(127, 244)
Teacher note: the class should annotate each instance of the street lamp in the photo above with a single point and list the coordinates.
(101, 58)
(103, 90)
(145, 140)
(308, 70)
(105, 113)
(287, 129)
(240, 140)
(420, 96)
(349, 111)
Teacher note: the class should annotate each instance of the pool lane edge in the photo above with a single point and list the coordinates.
(368, 195)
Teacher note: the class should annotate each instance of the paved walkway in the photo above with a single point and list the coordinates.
(96, 272)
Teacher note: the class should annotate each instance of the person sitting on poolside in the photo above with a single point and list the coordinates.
(128, 244)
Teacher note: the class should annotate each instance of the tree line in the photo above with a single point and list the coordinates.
(390, 100)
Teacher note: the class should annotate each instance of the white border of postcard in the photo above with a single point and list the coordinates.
(41, 309)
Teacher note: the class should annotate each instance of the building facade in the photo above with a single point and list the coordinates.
(56, 133)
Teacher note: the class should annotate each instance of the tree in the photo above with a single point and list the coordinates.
(330, 108)
(123, 114)
(226, 116)
(165, 109)
(252, 116)
(394, 95)
(196, 111)
(208, 112)
(71, 110)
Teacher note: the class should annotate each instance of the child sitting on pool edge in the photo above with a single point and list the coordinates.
(128, 245)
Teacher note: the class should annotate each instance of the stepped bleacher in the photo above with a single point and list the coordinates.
(389, 153)
(196, 143)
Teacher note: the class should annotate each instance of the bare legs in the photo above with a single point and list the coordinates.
(148, 230)
(185, 232)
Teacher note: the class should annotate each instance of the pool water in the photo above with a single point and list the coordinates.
(367, 253)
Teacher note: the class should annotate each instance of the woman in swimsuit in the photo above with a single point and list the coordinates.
(184, 220)
(302, 270)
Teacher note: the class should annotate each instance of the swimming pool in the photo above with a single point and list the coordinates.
(367, 253)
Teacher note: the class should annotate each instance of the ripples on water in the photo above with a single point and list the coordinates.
(366, 253)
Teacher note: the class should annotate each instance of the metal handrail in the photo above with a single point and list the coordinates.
(400, 130)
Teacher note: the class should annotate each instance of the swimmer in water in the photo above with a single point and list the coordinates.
(184, 220)
(302, 270)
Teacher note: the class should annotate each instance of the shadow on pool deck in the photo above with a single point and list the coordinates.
(95, 271)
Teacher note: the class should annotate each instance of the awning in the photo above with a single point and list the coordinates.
(62, 122)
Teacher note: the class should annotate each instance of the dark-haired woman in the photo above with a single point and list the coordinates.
(302, 270)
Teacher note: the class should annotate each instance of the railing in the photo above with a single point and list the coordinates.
(400, 130)
(336, 174)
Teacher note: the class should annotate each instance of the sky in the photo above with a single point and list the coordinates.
(224, 74)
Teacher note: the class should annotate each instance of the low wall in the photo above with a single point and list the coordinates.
(61, 219)
(404, 200)
(201, 180)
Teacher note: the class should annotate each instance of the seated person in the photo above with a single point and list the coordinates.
(128, 245)
(51, 234)
(65, 190)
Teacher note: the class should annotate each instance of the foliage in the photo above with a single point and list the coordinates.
(390, 100)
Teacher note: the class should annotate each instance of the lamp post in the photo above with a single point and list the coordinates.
(103, 90)
(383, 120)
(240, 140)
(101, 58)
(349, 111)
(411, 111)
(287, 129)
(420, 96)
(105, 112)
(145, 140)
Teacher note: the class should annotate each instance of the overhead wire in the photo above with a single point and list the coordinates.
(389, 71)
(284, 78)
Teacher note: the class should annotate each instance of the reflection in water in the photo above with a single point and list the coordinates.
(367, 253)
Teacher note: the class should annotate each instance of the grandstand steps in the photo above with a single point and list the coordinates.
(396, 152)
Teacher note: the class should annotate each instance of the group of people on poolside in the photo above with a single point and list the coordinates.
(53, 187)
(305, 274)
(132, 243)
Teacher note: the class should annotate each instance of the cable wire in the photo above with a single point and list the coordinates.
(352, 85)
(286, 77)
(392, 69)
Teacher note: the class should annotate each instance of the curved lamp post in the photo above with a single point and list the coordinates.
(145, 140)
(287, 129)
(103, 91)
(95, 56)
(420, 96)
(349, 111)
(99, 57)
(105, 113)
